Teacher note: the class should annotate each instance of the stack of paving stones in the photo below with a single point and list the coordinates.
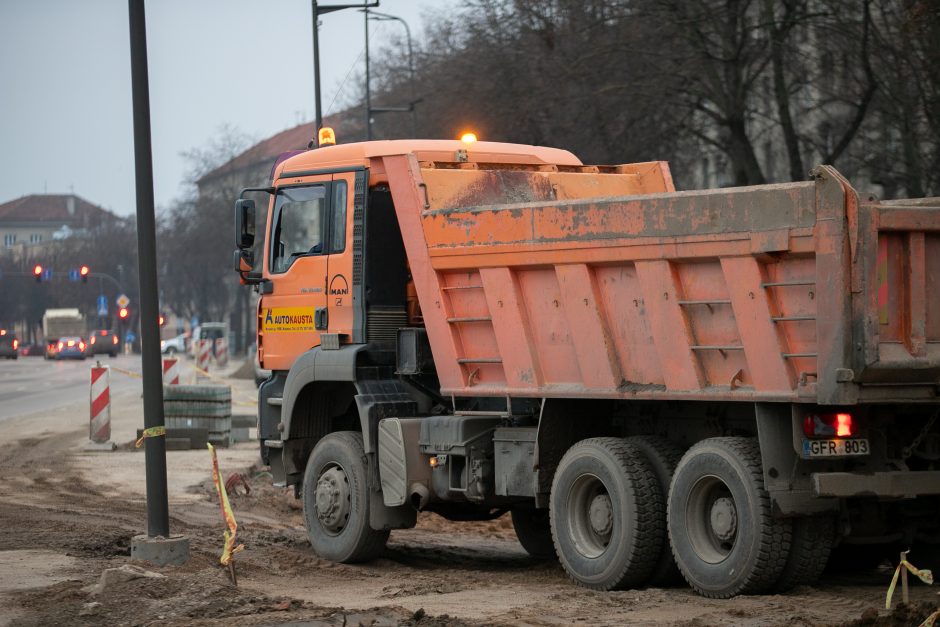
(196, 414)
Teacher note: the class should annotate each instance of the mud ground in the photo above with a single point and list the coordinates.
(66, 516)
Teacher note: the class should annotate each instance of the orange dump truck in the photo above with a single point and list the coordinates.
(726, 385)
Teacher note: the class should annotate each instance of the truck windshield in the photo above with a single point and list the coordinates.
(298, 224)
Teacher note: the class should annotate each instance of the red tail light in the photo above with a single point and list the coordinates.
(81, 346)
(71, 342)
(3, 331)
(103, 333)
(834, 424)
(15, 344)
(92, 340)
(60, 345)
(114, 339)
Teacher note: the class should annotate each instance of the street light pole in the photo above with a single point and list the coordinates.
(411, 64)
(368, 84)
(158, 517)
(157, 545)
(316, 11)
(316, 67)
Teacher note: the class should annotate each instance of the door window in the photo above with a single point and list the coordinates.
(338, 220)
(299, 225)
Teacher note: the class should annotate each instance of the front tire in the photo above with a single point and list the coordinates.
(723, 534)
(336, 501)
(606, 514)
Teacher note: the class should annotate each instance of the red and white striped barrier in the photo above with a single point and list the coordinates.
(171, 371)
(99, 430)
(203, 354)
(221, 352)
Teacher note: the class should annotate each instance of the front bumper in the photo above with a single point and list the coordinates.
(896, 484)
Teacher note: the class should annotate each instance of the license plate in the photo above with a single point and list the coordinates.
(835, 448)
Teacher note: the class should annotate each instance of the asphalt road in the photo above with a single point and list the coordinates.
(30, 385)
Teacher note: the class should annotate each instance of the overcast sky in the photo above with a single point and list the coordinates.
(65, 94)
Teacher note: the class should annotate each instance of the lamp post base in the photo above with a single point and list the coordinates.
(172, 551)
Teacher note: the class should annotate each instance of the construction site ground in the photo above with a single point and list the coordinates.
(67, 515)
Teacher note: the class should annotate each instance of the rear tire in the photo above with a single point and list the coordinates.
(336, 501)
(813, 537)
(606, 514)
(663, 456)
(723, 534)
(534, 530)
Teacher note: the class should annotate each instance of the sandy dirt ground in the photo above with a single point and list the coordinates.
(67, 515)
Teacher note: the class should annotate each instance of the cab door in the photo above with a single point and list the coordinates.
(296, 260)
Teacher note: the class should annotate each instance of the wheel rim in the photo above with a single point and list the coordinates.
(712, 519)
(589, 516)
(332, 499)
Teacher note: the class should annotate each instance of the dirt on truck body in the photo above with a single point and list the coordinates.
(723, 385)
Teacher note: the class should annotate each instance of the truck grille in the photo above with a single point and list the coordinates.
(383, 323)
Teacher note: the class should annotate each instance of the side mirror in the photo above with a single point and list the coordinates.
(244, 223)
(244, 261)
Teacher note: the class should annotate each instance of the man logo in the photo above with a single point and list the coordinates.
(339, 286)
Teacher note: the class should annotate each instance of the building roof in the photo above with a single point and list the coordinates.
(54, 209)
(295, 138)
(266, 152)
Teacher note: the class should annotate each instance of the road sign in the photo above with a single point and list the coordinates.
(73, 275)
(123, 300)
(102, 305)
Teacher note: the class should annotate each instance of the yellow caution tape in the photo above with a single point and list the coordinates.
(229, 549)
(152, 432)
(924, 575)
(129, 373)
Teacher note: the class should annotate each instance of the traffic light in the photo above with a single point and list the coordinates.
(37, 272)
(122, 313)
(83, 271)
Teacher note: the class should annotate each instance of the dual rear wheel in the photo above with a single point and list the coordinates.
(629, 512)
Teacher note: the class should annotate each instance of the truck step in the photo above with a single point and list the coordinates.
(276, 401)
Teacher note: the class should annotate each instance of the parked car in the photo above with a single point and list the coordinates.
(174, 345)
(70, 348)
(8, 344)
(103, 341)
(31, 350)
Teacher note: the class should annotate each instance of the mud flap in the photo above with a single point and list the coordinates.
(786, 477)
(383, 517)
